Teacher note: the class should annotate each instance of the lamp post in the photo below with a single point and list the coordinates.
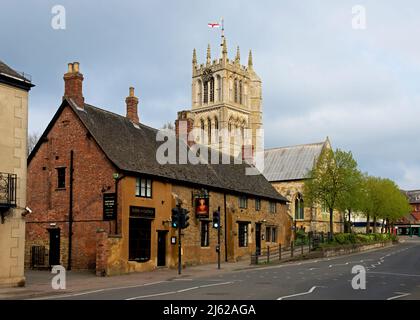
(116, 177)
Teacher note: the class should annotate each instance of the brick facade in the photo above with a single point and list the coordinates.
(50, 205)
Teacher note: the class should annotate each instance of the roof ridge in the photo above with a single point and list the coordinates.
(294, 146)
(118, 115)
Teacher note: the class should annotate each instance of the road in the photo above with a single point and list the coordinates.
(391, 273)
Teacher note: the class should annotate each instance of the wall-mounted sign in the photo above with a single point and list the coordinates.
(173, 240)
(142, 212)
(109, 201)
(202, 207)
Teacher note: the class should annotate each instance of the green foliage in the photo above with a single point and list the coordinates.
(301, 237)
(333, 182)
(382, 199)
(357, 238)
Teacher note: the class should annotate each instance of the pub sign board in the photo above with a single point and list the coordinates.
(142, 212)
(110, 211)
(202, 207)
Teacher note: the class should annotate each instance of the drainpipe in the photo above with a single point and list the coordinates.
(70, 211)
(226, 237)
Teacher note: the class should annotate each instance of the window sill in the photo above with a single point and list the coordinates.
(144, 197)
(60, 189)
(139, 261)
(205, 248)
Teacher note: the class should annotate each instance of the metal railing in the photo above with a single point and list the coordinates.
(278, 252)
(8, 184)
(38, 254)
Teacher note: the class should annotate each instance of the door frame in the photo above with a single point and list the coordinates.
(160, 233)
(51, 231)
(258, 234)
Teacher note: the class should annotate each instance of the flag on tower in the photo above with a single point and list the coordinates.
(213, 25)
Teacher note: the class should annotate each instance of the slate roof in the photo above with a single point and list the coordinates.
(133, 149)
(413, 196)
(5, 69)
(291, 163)
(12, 77)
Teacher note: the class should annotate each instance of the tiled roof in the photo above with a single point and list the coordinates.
(5, 69)
(133, 149)
(413, 196)
(291, 163)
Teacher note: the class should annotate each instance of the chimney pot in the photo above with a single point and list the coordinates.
(132, 102)
(76, 67)
(73, 85)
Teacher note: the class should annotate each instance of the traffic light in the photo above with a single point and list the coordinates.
(184, 218)
(216, 219)
(175, 217)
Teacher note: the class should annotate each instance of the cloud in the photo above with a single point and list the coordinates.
(320, 77)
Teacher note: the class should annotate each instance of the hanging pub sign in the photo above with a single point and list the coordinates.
(109, 200)
(202, 207)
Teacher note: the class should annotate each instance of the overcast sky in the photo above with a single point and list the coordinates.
(320, 76)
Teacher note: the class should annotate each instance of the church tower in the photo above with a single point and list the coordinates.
(225, 95)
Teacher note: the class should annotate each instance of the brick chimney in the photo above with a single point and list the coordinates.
(132, 102)
(186, 118)
(73, 84)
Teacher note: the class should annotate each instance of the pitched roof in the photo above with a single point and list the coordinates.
(413, 196)
(291, 163)
(133, 149)
(13, 77)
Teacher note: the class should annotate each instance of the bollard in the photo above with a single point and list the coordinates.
(280, 251)
(268, 254)
(301, 249)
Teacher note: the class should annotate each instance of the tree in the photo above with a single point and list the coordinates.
(169, 126)
(32, 141)
(382, 199)
(331, 181)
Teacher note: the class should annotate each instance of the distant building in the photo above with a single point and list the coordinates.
(14, 92)
(225, 95)
(287, 169)
(100, 200)
(410, 225)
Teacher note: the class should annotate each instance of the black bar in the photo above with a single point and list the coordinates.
(218, 240)
(70, 211)
(179, 244)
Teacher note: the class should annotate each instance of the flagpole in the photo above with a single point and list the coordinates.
(223, 32)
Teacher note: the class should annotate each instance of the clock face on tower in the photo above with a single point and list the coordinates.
(207, 75)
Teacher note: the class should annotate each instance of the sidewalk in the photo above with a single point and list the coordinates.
(38, 283)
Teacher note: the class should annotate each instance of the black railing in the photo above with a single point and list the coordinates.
(8, 182)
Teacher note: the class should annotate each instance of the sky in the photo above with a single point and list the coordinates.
(320, 75)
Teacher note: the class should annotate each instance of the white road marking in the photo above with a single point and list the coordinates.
(300, 294)
(179, 291)
(397, 274)
(399, 295)
(181, 279)
(96, 291)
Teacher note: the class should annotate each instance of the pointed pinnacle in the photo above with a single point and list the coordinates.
(208, 54)
(194, 59)
(224, 51)
(238, 55)
(250, 59)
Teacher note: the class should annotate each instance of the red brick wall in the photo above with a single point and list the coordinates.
(92, 175)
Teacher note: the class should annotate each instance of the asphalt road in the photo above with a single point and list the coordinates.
(391, 273)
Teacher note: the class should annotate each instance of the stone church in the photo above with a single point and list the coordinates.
(225, 95)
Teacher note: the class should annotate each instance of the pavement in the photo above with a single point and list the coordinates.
(392, 273)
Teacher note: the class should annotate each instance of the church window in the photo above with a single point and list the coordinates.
(216, 124)
(219, 88)
(202, 130)
(299, 207)
(206, 92)
(209, 130)
(212, 89)
(199, 92)
(240, 92)
(235, 89)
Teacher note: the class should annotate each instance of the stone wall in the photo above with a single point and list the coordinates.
(13, 153)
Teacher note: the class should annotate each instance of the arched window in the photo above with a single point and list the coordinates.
(219, 88)
(240, 91)
(208, 131)
(199, 88)
(216, 124)
(212, 89)
(202, 125)
(206, 92)
(235, 89)
(299, 207)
